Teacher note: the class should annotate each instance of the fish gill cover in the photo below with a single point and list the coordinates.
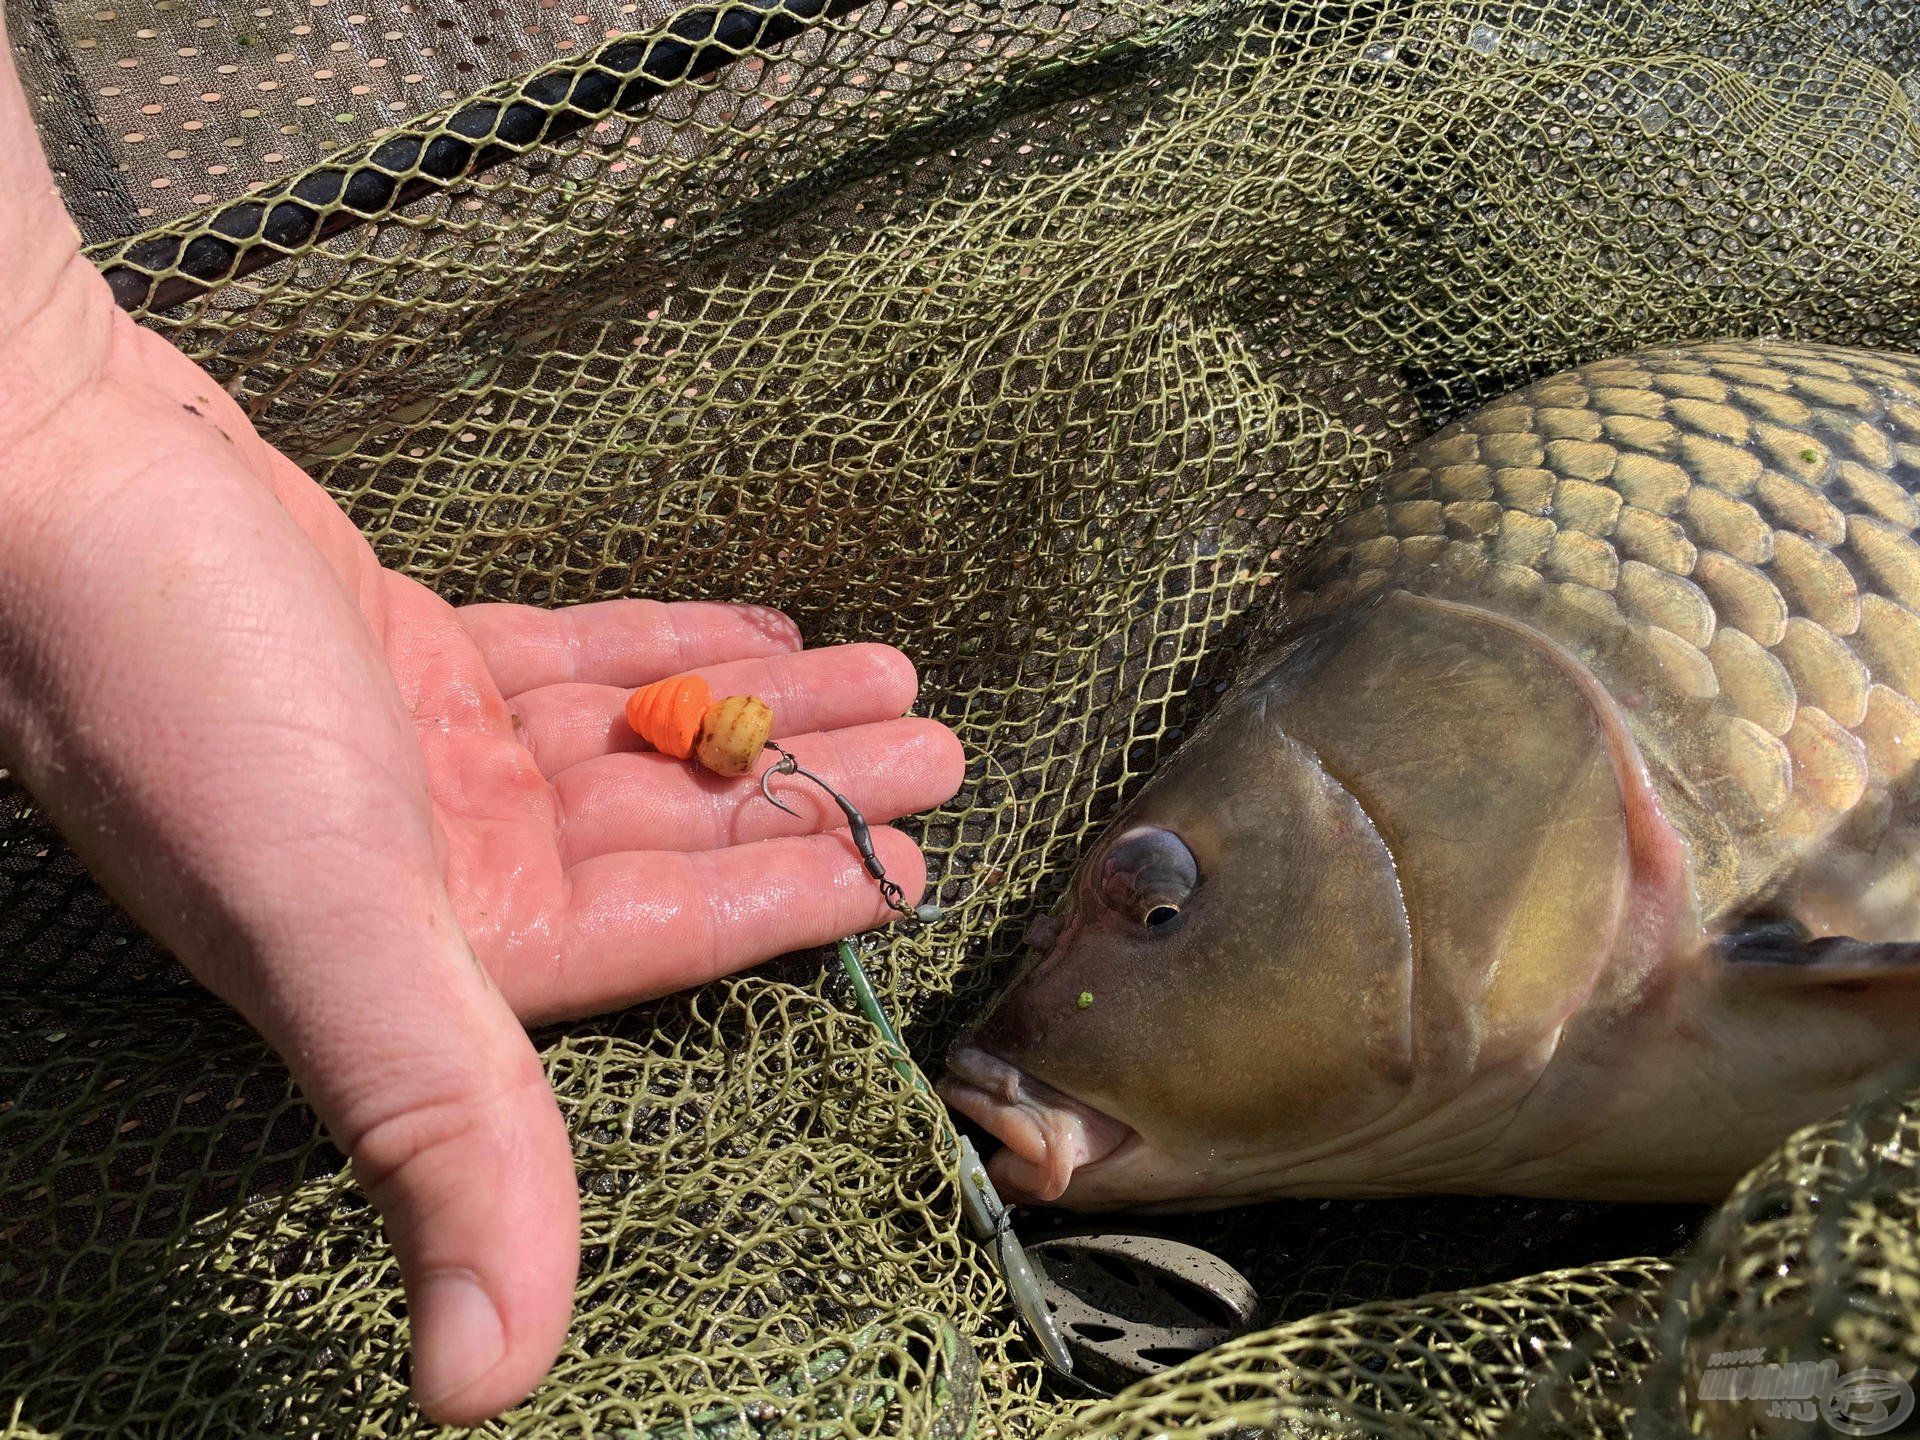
(1038, 340)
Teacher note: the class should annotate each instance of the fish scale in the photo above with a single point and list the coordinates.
(1725, 534)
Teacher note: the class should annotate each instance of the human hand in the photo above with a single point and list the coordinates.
(388, 830)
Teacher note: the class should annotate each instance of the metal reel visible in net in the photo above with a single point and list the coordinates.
(1038, 340)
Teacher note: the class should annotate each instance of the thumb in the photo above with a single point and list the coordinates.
(434, 1090)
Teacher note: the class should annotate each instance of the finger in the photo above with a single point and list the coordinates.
(470, 1163)
(565, 725)
(619, 642)
(461, 1147)
(642, 924)
(653, 802)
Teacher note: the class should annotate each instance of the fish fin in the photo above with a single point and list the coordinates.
(1782, 950)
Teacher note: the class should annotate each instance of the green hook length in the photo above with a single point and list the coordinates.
(990, 1217)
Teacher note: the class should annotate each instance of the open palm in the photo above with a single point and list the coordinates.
(589, 871)
(390, 830)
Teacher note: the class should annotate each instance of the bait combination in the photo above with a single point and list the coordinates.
(679, 717)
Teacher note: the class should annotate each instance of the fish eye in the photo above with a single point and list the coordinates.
(1148, 876)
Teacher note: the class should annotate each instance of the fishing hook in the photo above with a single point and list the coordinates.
(857, 827)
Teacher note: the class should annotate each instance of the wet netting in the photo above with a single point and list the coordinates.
(1039, 340)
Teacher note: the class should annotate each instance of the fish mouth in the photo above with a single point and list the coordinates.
(1045, 1136)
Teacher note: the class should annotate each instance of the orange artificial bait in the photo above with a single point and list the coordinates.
(679, 717)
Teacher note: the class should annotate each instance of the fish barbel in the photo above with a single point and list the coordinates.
(1564, 842)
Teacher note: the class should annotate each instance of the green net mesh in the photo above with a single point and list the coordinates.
(1037, 340)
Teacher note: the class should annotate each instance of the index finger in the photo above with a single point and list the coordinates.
(619, 642)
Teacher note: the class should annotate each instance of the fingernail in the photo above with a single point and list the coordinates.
(457, 1335)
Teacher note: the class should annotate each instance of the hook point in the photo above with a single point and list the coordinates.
(766, 787)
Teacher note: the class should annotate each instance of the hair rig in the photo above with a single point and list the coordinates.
(680, 717)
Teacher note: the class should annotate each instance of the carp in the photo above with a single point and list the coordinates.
(1563, 840)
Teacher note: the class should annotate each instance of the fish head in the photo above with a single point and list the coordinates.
(1244, 906)
(1333, 946)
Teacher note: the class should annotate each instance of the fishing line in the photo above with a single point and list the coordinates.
(990, 1217)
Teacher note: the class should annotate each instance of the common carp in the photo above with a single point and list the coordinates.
(1563, 841)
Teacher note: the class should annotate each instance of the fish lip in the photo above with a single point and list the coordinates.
(1046, 1136)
